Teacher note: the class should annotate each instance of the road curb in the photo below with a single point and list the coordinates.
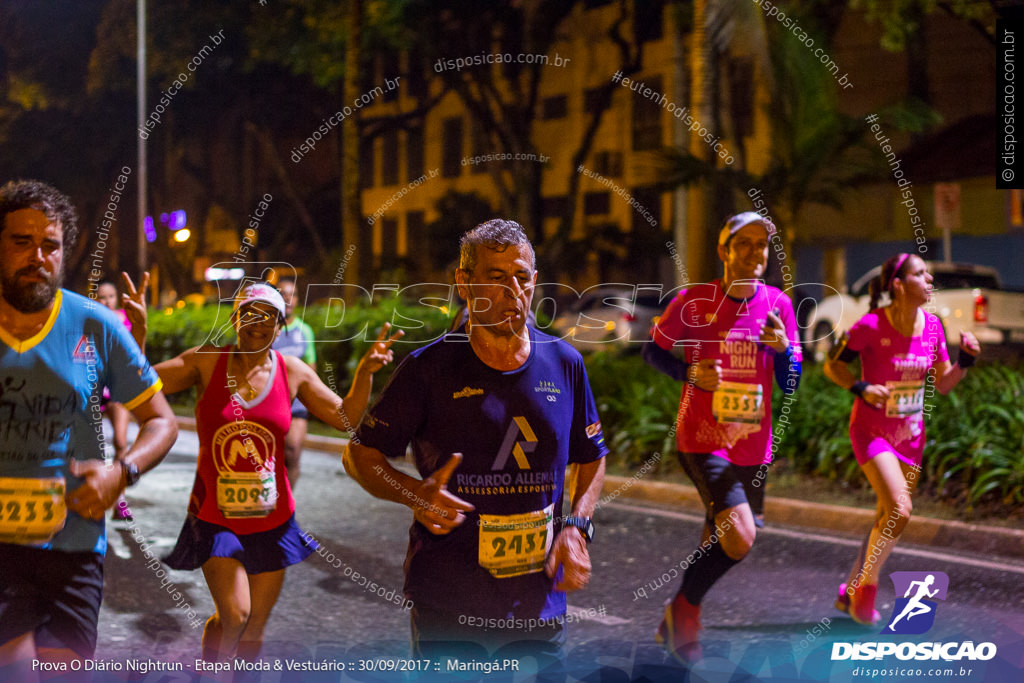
(986, 540)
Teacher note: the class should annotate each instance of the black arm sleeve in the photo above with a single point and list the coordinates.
(664, 361)
(787, 371)
(841, 352)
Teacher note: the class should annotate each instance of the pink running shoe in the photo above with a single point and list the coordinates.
(679, 629)
(122, 513)
(862, 605)
(842, 602)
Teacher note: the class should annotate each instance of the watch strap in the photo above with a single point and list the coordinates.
(131, 473)
(584, 524)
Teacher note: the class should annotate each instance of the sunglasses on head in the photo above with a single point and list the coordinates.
(253, 316)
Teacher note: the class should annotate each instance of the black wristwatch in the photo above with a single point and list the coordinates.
(584, 524)
(131, 473)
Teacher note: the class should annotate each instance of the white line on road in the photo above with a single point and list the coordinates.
(852, 543)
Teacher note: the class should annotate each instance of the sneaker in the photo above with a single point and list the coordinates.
(678, 630)
(842, 602)
(862, 605)
(122, 513)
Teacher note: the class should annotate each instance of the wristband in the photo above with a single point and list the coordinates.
(858, 388)
(964, 359)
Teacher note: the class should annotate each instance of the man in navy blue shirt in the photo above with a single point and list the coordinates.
(495, 412)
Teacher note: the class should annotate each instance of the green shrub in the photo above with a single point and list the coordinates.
(974, 454)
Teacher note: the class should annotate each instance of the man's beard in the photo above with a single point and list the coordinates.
(30, 297)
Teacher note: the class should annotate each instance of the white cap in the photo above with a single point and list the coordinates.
(742, 220)
(261, 291)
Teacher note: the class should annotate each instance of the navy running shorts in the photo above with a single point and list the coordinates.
(54, 594)
(723, 485)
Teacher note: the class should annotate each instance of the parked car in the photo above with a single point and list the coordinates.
(966, 297)
(612, 314)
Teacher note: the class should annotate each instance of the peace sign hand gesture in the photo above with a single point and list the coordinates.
(134, 302)
(380, 354)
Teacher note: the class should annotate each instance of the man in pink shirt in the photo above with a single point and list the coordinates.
(735, 334)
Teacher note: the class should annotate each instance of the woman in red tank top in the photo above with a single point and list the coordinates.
(241, 528)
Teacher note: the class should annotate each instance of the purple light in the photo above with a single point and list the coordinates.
(177, 221)
(147, 226)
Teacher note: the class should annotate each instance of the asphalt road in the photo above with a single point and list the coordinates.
(771, 618)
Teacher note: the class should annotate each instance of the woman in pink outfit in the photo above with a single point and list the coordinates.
(903, 356)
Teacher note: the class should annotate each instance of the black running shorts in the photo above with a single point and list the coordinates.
(723, 485)
(54, 594)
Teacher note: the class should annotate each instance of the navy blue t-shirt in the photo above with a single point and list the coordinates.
(517, 431)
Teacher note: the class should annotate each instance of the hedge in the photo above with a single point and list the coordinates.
(974, 454)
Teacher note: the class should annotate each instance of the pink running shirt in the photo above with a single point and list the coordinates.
(734, 421)
(901, 364)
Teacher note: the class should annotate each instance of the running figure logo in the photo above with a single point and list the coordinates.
(914, 613)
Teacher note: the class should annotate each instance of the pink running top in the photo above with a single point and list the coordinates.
(124, 318)
(734, 421)
(901, 364)
(240, 480)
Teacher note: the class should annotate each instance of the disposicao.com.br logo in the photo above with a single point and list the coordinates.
(914, 614)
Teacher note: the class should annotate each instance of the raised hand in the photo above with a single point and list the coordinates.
(134, 300)
(969, 344)
(774, 332)
(380, 353)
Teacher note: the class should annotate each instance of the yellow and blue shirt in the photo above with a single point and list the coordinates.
(51, 390)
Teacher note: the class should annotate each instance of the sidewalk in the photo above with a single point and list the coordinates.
(985, 540)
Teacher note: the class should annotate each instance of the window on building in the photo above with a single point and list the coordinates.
(415, 79)
(648, 200)
(480, 145)
(415, 232)
(389, 243)
(389, 158)
(608, 163)
(597, 203)
(368, 74)
(366, 165)
(591, 100)
(413, 153)
(741, 95)
(554, 207)
(556, 107)
(647, 15)
(451, 147)
(390, 67)
(647, 118)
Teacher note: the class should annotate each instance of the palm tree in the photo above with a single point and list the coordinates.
(815, 151)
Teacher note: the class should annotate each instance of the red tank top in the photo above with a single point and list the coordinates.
(240, 477)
